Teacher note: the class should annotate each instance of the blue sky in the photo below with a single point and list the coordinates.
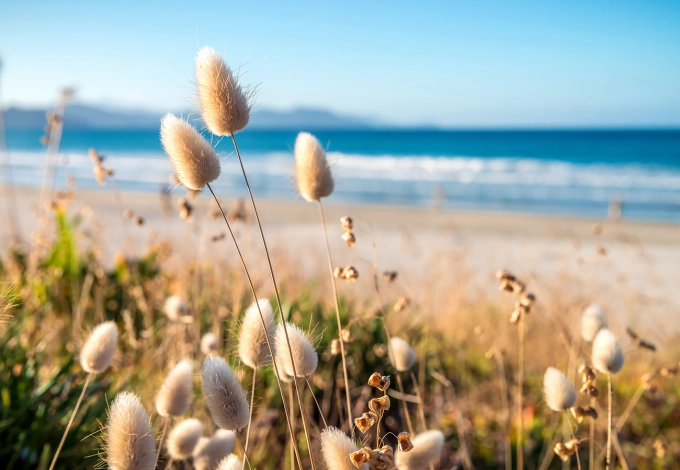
(457, 63)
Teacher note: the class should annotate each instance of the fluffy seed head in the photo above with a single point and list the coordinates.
(174, 308)
(401, 354)
(252, 342)
(224, 395)
(224, 105)
(426, 447)
(592, 321)
(209, 452)
(130, 442)
(303, 351)
(183, 438)
(312, 172)
(336, 447)
(193, 158)
(607, 355)
(97, 352)
(559, 393)
(209, 344)
(231, 462)
(175, 394)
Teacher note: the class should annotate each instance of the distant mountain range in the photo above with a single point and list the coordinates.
(79, 116)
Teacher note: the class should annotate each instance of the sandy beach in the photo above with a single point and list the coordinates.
(629, 267)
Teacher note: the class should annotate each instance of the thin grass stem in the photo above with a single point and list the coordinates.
(573, 436)
(70, 421)
(609, 420)
(250, 420)
(160, 442)
(337, 316)
(325, 424)
(520, 391)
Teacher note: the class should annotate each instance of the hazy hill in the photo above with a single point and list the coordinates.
(80, 116)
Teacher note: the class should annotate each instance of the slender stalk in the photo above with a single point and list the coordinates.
(291, 399)
(404, 408)
(421, 412)
(337, 316)
(503, 385)
(70, 421)
(278, 300)
(609, 421)
(520, 383)
(573, 436)
(160, 442)
(325, 424)
(264, 325)
(250, 420)
(591, 444)
(245, 455)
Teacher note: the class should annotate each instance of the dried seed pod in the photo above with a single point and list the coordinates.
(347, 335)
(360, 457)
(338, 272)
(128, 214)
(347, 223)
(401, 304)
(404, 440)
(335, 347)
(378, 405)
(378, 381)
(139, 221)
(389, 276)
(562, 451)
(350, 274)
(382, 459)
(349, 238)
(365, 421)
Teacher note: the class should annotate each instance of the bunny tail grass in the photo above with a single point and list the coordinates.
(350, 419)
(193, 158)
(269, 343)
(278, 302)
(183, 438)
(174, 397)
(230, 462)
(98, 350)
(223, 394)
(70, 421)
(335, 449)
(559, 392)
(426, 448)
(130, 443)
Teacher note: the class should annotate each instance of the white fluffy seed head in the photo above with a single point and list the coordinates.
(130, 442)
(224, 395)
(174, 308)
(230, 462)
(607, 355)
(209, 344)
(592, 321)
(98, 350)
(224, 105)
(182, 439)
(312, 172)
(401, 354)
(252, 340)
(193, 158)
(174, 397)
(336, 447)
(426, 448)
(209, 452)
(303, 351)
(559, 392)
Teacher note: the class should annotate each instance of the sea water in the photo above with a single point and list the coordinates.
(552, 172)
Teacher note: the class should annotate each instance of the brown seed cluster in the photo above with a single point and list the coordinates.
(381, 382)
(401, 304)
(347, 234)
(377, 459)
(185, 208)
(100, 172)
(390, 276)
(136, 219)
(404, 442)
(512, 285)
(365, 421)
(581, 413)
(588, 375)
(567, 449)
(639, 342)
(347, 274)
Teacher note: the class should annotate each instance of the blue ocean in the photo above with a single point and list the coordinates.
(550, 172)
